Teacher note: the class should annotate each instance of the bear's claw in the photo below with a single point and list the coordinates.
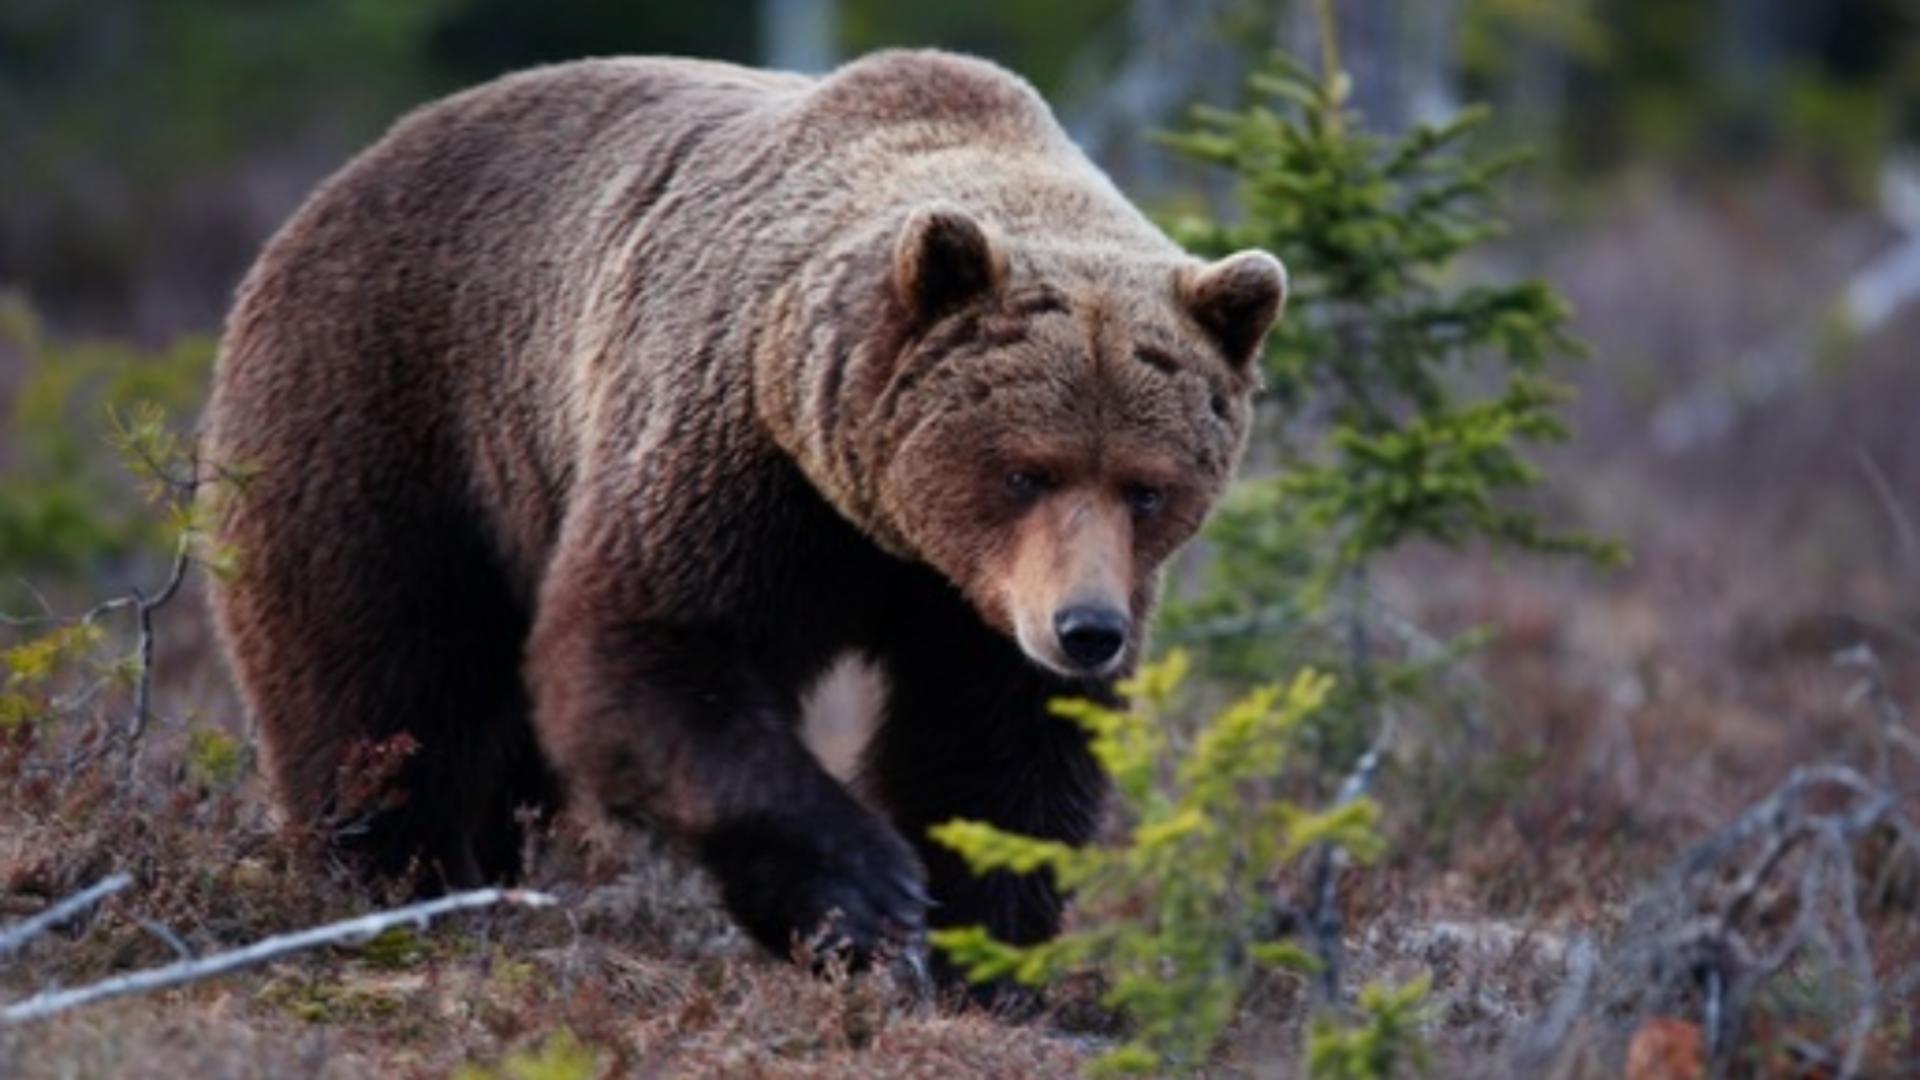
(838, 881)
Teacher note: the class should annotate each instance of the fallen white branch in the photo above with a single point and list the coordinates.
(1773, 891)
(53, 1002)
(1537, 1049)
(26, 929)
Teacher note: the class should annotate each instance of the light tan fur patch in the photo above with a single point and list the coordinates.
(841, 711)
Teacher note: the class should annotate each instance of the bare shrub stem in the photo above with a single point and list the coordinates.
(54, 1002)
(26, 929)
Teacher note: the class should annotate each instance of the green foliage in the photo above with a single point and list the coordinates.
(28, 695)
(160, 90)
(1843, 129)
(62, 668)
(1369, 227)
(36, 660)
(1402, 401)
(216, 761)
(1176, 910)
(1494, 34)
(63, 502)
(325, 1002)
(1382, 1042)
(395, 948)
(559, 1056)
(1710, 89)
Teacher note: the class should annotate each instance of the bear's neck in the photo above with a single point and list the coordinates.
(821, 359)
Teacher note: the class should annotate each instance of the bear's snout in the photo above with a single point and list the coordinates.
(1091, 636)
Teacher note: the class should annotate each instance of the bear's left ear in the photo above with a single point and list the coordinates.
(1236, 301)
(942, 259)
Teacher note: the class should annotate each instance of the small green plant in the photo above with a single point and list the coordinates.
(1178, 914)
(29, 695)
(215, 760)
(396, 949)
(61, 676)
(1382, 1042)
(559, 1056)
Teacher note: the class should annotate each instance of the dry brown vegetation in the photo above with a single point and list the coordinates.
(1622, 719)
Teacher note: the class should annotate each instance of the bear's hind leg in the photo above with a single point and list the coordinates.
(351, 636)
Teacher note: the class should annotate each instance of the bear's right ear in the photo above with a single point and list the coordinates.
(942, 259)
(1237, 300)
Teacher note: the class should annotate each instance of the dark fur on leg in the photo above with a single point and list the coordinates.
(983, 748)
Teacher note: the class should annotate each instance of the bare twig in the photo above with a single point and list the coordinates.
(46, 610)
(1853, 944)
(1903, 530)
(145, 606)
(1330, 70)
(1323, 917)
(166, 935)
(1890, 720)
(53, 1002)
(48, 617)
(1544, 1040)
(20, 933)
(1359, 637)
(1709, 935)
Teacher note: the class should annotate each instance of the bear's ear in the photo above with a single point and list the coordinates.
(1236, 301)
(942, 259)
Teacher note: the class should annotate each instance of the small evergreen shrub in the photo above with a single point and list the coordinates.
(1401, 403)
(1195, 869)
(1383, 1042)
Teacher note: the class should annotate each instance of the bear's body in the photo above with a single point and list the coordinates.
(593, 413)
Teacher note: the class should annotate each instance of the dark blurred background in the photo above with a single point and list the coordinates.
(150, 145)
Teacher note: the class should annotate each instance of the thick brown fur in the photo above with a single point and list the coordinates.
(593, 412)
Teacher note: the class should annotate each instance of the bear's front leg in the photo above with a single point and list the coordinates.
(968, 735)
(675, 724)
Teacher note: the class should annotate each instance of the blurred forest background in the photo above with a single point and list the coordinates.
(1728, 192)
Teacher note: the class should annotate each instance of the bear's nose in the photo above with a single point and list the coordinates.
(1090, 636)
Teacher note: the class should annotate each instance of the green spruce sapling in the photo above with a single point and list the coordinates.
(1425, 396)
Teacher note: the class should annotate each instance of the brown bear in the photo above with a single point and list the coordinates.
(593, 413)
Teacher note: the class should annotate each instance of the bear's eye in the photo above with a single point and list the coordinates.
(1144, 498)
(1025, 485)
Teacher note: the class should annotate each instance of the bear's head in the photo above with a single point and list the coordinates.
(1053, 422)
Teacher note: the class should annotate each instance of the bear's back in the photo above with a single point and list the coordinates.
(928, 86)
(489, 270)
